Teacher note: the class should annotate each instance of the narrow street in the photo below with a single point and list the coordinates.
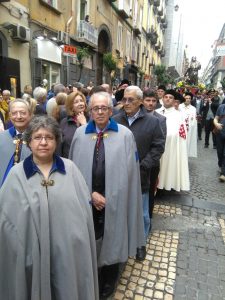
(186, 249)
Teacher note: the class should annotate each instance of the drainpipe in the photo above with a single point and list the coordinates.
(67, 29)
(68, 23)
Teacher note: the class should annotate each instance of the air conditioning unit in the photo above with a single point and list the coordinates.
(63, 37)
(18, 32)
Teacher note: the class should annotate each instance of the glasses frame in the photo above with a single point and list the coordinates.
(48, 139)
(103, 109)
(128, 100)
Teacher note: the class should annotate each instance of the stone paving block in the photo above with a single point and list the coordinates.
(160, 286)
(138, 297)
(118, 296)
(132, 286)
(169, 289)
(148, 293)
(158, 295)
(168, 297)
(139, 290)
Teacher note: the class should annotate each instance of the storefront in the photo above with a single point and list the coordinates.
(46, 62)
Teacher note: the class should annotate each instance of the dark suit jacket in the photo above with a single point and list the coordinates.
(150, 141)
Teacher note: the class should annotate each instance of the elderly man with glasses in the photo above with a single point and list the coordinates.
(106, 154)
(12, 147)
(150, 142)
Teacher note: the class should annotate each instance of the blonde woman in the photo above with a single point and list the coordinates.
(59, 111)
(76, 108)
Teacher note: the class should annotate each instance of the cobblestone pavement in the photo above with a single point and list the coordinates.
(186, 248)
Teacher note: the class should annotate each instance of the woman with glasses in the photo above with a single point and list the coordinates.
(76, 108)
(46, 228)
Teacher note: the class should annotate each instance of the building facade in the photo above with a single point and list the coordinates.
(214, 73)
(33, 35)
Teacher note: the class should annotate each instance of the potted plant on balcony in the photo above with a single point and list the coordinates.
(110, 64)
(82, 54)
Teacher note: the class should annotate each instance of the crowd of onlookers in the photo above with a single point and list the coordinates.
(88, 217)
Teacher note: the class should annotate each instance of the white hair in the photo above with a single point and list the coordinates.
(137, 90)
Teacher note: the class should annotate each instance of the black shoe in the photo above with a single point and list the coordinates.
(214, 147)
(141, 253)
(200, 138)
(107, 290)
(206, 146)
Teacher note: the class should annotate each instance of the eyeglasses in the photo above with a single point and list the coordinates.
(47, 138)
(103, 109)
(128, 100)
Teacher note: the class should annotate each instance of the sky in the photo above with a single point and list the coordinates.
(202, 23)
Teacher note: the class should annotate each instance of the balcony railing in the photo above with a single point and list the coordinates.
(87, 34)
(124, 9)
(137, 28)
(152, 35)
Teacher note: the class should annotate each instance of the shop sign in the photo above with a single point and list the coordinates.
(69, 50)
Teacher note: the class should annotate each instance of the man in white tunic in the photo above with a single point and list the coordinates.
(190, 116)
(174, 173)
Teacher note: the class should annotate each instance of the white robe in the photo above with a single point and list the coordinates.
(189, 113)
(174, 172)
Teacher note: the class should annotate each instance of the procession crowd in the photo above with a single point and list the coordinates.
(79, 171)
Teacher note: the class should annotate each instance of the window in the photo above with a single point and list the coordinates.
(120, 37)
(51, 72)
(83, 9)
(128, 41)
(52, 3)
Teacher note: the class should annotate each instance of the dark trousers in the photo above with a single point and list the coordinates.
(208, 128)
(153, 181)
(199, 130)
(220, 144)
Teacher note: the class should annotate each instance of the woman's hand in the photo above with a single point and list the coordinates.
(98, 200)
(81, 119)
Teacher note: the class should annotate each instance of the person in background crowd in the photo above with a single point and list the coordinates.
(108, 89)
(58, 88)
(31, 101)
(76, 109)
(190, 116)
(28, 90)
(46, 228)
(150, 100)
(77, 86)
(40, 94)
(106, 154)
(12, 147)
(197, 102)
(209, 110)
(150, 142)
(174, 172)
(219, 122)
(179, 99)
(2, 111)
(59, 111)
(4, 103)
(221, 95)
(160, 92)
(50, 93)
